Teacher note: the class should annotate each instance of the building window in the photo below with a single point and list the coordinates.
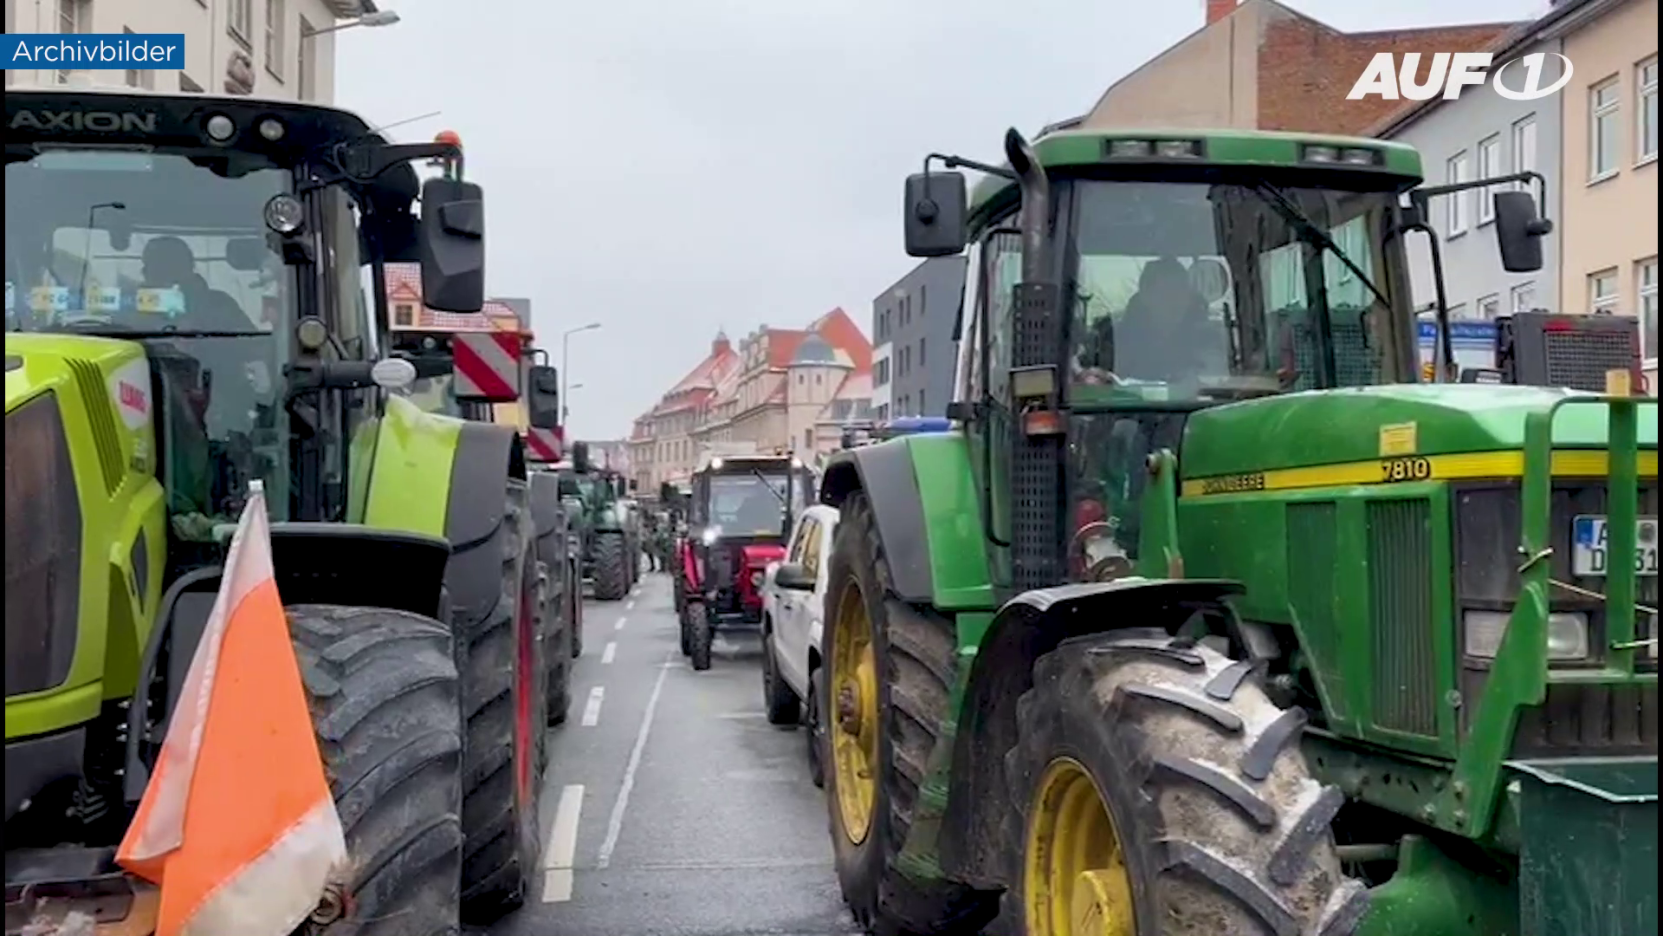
(1455, 172)
(303, 67)
(72, 19)
(404, 314)
(1523, 297)
(241, 22)
(139, 77)
(1602, 130)
(1489, 165)
(922, 409)
(920, 352)
(1646, 287)
(1645, 81)
(1489, 307)
(1524, 152)
(808, 440)
(275, 10)
(1602, 292)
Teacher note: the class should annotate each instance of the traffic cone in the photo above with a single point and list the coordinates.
(237, 826)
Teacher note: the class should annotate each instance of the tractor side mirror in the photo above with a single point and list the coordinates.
(543, 402)
(452, 245)
(792, 575)
(666, 492)
(580, 457)
(936, 215)
(1519, 231)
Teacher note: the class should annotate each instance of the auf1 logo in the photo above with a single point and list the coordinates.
(1450, 72)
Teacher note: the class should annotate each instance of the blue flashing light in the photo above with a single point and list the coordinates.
(917, 425)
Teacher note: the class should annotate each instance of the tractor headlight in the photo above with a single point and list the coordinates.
(709, 535)
(1567, 634)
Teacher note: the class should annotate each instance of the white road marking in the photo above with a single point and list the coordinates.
(615, 823)
(629, 606)
(562, 846)
(620, 624)
(610, 651)
(592, 710)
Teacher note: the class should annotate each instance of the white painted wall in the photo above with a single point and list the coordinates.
(210, 41)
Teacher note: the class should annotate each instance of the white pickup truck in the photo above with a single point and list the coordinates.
(793, 602)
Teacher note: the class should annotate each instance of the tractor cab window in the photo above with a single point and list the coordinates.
(1192, 292)
(747, 504)
(174, 255)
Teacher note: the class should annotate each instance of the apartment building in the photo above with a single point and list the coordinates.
(1261, 65)
(271, 48)
(912, 332)
(1609, 250)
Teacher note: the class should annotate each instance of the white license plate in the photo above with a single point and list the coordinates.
(1589, 546)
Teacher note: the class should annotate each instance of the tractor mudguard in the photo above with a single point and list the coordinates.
(359, 566)
(885, 472)
(487, 455)
(545, 502)
(1024, 629)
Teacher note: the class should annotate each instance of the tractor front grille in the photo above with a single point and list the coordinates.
(1401, 611)
(1574, 719)
(43, 548)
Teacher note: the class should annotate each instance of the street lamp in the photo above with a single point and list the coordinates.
(565, 369)
(373, 18)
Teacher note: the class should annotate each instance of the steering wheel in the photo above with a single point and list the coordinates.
(1097, 377)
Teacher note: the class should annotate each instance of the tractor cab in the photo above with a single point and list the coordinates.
(740, 512)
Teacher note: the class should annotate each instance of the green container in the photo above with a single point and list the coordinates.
(1588, 861)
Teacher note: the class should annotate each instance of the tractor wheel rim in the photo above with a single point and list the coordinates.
(1075, 881)
(854, 682)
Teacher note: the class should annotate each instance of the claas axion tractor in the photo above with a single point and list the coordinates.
(1207, 618)
(485, 368)
(185, 316)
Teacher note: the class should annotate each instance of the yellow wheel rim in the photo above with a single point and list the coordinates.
(1075, 881)
(854, 714)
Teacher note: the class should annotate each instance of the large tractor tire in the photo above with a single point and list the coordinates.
(574, 598)
(884, 692)
(701, 634)
(557, 643)
(385, 701)
(1162, 791)
(503, 700)
(611, 578)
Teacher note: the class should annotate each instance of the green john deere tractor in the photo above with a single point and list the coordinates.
(188, 317)
(1206, 618)
(612, 536)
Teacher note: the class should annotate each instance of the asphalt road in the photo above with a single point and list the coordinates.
(671, 807)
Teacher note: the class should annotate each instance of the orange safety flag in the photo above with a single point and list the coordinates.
(237, 826)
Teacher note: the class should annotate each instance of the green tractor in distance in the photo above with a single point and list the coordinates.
(611, 535)
(185, 316)
(1207, 619)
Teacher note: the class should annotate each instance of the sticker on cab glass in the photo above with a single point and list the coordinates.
(46, 299)
(130, 389)
(165, 301)
(103, 299)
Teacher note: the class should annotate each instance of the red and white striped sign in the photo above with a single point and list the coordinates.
(487, 367)
(544, 445)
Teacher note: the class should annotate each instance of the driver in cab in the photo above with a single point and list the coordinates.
(170, 264)
(1166, 333)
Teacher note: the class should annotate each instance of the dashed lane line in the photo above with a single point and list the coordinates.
(592, 709)
(562, 846)
(610, 651)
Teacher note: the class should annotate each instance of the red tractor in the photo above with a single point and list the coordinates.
(739, 514)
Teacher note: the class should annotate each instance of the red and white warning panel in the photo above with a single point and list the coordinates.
(487, 367)
(545, 445)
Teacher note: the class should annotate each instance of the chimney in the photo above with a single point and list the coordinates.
(1219, 9)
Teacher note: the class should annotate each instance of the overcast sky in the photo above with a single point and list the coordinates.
(671, 167)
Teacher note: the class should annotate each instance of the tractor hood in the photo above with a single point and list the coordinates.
(1353, 425)
(36, 363)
